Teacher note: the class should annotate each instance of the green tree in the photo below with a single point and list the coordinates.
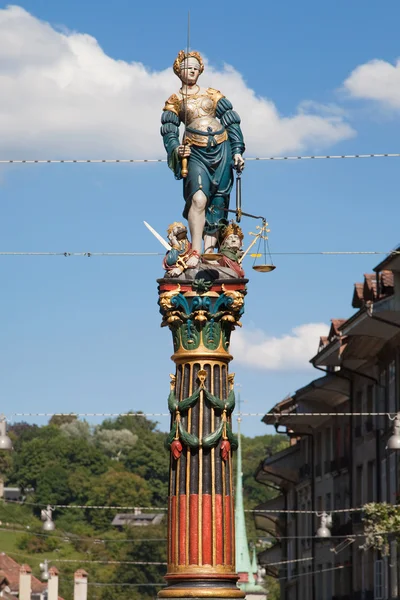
(58, 420)
(52, 487)
(116, 487)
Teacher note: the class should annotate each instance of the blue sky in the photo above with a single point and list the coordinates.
(82, 334)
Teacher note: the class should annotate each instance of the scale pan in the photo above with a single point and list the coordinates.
(264, 268)
(211, 256)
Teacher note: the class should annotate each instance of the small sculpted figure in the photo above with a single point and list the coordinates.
(213, 145)
(175, 260)
(231, 248)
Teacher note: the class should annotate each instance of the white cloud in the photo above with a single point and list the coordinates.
(61, 95)
(291, 351)
(376, 80)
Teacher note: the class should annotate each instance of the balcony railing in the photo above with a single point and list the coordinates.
(327, 466)
(344, 462)
(318, 471)
(358, 431)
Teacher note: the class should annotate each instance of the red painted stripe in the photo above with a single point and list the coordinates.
(194, 530)
(182, 529)
(228, 530)
(207, 529)
(219, 530)
(173, 528)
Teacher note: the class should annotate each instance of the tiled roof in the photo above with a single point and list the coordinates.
(334, 331)
(12, 569)
(387, 279)
(358, 295)
(371, 290)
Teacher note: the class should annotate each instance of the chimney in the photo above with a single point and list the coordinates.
(52, 585)
(25, 579)
(80, 585)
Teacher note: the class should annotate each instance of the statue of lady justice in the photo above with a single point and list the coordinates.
(211, 148)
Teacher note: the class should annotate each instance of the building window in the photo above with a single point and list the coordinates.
(392, 387)
(328, 503)
(359, 486)
(379, 587)
(328, 450)
(392, 479)
(290, 558)
(328, 584)
(369, 421)
(384, 493)
(358, 409)
(370, 481)
(318, 583)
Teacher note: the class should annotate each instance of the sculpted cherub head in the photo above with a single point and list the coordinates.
(232, 237)
(188, 66)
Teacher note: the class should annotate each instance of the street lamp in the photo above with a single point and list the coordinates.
(5, 441)
(323, 531)
(44, 567)
(394, 440)
(46, 516)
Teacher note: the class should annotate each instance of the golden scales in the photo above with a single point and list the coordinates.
(260, 236)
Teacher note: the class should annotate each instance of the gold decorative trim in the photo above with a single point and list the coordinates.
(201, 593)
(201, 354)
(191, 386)
(213, 515)
(195, 570)
(200, 521)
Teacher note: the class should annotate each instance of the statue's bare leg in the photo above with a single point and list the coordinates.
(196, 220)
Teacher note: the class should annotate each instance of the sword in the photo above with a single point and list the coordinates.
(238, 210)
(184, 167)
(158, 236)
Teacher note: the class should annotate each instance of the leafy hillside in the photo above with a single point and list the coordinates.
(122, 462)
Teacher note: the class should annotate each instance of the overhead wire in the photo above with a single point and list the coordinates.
(390, 415)
(164, 160)
(142, 254)
(158, 508)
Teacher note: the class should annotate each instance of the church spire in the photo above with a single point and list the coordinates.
(243, 562)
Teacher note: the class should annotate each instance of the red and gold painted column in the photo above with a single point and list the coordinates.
(201, 537)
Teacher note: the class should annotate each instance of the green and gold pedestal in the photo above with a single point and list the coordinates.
(201, 539)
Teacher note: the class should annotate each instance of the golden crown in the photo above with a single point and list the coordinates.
(176, 224)
(232, 229)
(181, 57)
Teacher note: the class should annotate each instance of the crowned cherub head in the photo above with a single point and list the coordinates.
(232, 237)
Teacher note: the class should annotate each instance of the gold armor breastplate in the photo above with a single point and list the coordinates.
(200, 118)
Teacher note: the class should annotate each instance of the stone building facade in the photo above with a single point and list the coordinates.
(339, 461)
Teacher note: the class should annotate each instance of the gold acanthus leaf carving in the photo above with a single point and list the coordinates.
(166, 297)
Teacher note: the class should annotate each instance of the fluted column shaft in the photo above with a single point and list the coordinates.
(201, 537)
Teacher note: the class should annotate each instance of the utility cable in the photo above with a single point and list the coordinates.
(158, 508)
(141, 254)
(164, 160)
(235, 414)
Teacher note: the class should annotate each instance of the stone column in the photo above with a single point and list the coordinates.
(25, 582)
(201, 536)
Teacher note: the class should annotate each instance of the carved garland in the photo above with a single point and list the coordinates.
(178, 433)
